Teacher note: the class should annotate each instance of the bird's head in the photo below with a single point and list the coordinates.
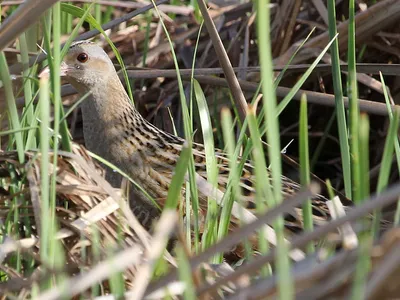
(86, 66)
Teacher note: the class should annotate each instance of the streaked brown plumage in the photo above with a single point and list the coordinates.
(115, 130)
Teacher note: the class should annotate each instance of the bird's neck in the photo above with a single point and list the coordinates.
(115, 130)
(107, 102)
(107, 114)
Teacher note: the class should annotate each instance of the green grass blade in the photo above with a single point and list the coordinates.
(363, 266)
(396, 221)
(386, 164)
(75, 32)
(185, 275)
(28, 92)
(56, 85)
(233, 190)
(44, 106)
(363, 262)
(285, 284)
(354, 110)
(262, 178)
(12, 131)
(210, 234)
(364, 156)
(11, 107)
(305, 166)
(175, 188)
(282, 73)
(338, 91)
(303, 78)
(188, 134)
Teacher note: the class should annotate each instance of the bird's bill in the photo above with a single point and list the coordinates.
(45, 73)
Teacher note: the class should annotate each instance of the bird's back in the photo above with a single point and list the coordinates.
(149, 155)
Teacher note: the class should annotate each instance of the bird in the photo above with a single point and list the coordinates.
(115, 130)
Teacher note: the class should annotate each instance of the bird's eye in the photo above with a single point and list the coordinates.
(83, 57)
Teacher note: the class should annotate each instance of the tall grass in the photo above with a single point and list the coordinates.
(285, 284)
(338, 92)
(305, 165)
(40, 128)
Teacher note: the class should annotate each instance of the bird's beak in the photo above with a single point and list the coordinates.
(45, 73)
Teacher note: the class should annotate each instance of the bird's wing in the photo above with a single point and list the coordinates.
(162, 162)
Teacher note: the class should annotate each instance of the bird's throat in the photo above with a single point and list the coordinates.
(102, 112)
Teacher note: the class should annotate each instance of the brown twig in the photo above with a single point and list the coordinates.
(223, 58)
(25, 15)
